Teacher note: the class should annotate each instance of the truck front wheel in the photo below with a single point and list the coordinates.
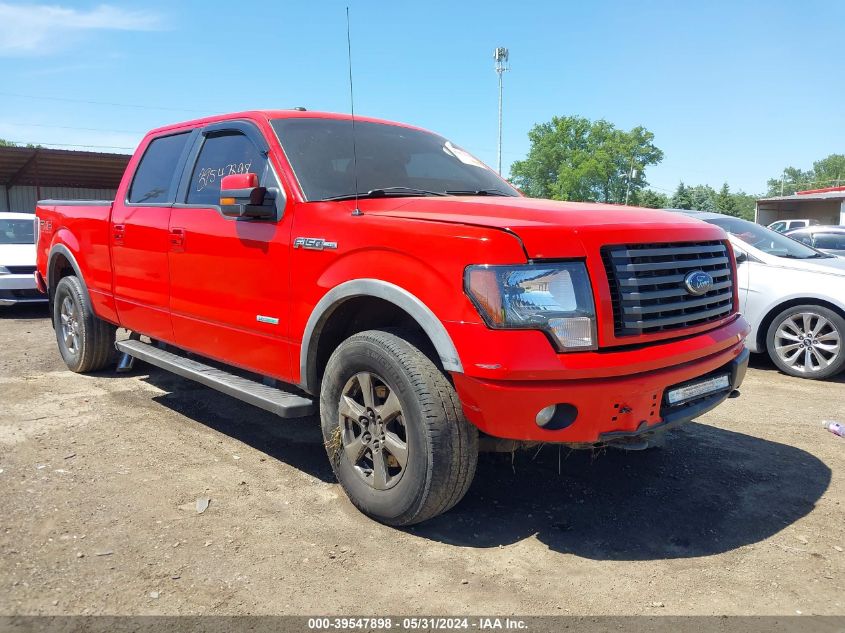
(394, 430)
(86, 342)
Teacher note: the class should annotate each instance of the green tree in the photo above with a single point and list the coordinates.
(5, 143)
(745, 204)
(703, 197)
(725, 202)
(682, 198)
(827, 172)
(573, 158)
(651, 199)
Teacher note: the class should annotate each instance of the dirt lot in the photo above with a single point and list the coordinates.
(743, 512)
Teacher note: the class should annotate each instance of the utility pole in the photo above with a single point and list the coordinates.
(501, 57)
(630, 177)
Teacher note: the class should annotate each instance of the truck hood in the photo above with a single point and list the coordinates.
(17, 254)
(549, 228)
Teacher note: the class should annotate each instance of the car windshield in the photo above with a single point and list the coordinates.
(765, 239)
(16, 232)
(391, 160)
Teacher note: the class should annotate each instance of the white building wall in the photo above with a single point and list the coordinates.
(24, 198)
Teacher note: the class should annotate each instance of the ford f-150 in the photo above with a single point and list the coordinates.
(381, 276)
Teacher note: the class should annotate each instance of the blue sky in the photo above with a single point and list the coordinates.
(734, 91)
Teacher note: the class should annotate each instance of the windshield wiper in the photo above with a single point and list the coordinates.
(386, 192)
(477, 192)
(814, 256)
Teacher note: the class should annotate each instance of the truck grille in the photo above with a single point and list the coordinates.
(647, 285)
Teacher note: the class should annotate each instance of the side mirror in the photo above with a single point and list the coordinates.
(741, 257)
(241, 197)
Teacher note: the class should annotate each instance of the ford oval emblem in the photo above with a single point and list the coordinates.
(698, 282)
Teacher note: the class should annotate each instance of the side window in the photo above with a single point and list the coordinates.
(154, 175)
(832, 241)
(804, 238)
(222, 155)
(777, 226)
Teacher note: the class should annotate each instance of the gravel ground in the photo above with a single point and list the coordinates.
(740, 513)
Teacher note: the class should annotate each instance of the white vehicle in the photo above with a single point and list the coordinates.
(782, 226)
(792, 295)
(17, 260)
(827, 239)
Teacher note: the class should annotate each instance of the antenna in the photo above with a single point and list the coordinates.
(501, 57)
(357, 211)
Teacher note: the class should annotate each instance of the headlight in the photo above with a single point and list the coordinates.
(555, 298)
(4, 270)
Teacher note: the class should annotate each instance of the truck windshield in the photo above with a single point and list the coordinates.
(17, 232)
(765, 239)
(391, 160)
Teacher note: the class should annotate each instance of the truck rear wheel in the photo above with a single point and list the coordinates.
(86, 342)
(394, 430)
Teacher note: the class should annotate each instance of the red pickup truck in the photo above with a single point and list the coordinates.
(382, 275)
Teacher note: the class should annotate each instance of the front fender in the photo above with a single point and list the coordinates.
(400, 297)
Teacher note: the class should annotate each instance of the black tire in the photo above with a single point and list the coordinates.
(87, 342)
(781, 337)
(441, 449)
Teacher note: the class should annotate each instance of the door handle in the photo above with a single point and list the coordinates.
(118, 233)
(177, 239)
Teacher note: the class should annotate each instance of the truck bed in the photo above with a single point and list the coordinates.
(82, 226)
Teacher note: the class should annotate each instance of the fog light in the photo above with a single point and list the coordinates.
(546, 414)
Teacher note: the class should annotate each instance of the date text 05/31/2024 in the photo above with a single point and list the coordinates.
(418, 623)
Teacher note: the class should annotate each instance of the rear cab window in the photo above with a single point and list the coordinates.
(156, 176)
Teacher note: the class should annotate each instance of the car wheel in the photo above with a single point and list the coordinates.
(807, 341)
(86, 342)
(394, 429)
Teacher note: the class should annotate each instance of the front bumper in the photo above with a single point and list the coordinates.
(611, 409)
(19, 289)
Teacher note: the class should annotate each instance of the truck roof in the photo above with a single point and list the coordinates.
(277, 114)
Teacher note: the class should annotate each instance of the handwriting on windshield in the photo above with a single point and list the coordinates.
(210, 175)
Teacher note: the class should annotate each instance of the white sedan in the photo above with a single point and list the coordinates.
(792, 295)
(17, 260)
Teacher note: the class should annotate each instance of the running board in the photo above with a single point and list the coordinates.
(282, 403)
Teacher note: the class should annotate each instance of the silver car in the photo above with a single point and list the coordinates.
(792, 295)
(828, 239)
(17, 260)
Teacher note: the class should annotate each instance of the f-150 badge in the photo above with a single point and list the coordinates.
(313, 243)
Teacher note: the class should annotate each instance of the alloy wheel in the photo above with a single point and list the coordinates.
(373, 432)
(807, 342)
(69, 315)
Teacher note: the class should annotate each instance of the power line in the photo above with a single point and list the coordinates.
(107, 103)
(25, 143)
(70, 127)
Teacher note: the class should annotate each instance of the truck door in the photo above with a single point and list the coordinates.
(229, 277)
(140, 241)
